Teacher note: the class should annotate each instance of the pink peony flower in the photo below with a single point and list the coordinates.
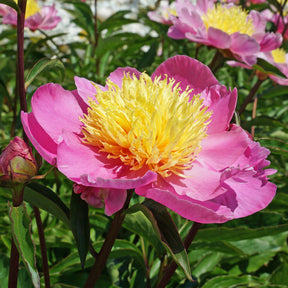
(277, 57)
(226, 27)
(167, 136)
(36, 17)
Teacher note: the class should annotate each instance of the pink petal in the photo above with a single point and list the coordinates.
(188, 72)
(117, 75)
(186, 207)
(223, 149)
(43, 143)
(222, 103)
(271, 41)
(218, 38)
(56, 109)
(243, 44)
(248, 193)
(87, 166)
(86, 89)
(114, 201)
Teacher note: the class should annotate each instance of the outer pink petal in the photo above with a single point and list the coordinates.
(87, 166)
(56, 110)
(223, 149)
(222, 103)
(248, 192)
(271, 41)
(218, 38)
(243, 44)
(114, 201)
(188, 208)
(117, 75)
(188, 72)
(86, 89)
(43, 143)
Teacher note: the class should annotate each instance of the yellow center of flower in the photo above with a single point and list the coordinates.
(31, 8)
(228, 19)
(279, 55)
(147, 124)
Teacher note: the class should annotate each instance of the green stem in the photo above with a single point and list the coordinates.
(102, 257)
(168, 273)
(217, 61)
(250, 96)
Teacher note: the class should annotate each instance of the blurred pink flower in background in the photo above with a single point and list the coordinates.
(36, 17)
(280, 22)
(167, 136)
(163, 12)
(277, 57)
(232, 30)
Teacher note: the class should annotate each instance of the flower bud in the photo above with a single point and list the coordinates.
(17, 164)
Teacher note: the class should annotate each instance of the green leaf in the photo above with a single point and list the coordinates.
(275, 91)
(207, 263)
(116, 20)
(166, 231)
(268, 68)
(11, 4)
(41, 65)
(21, 229)
(44, 198)
(228, 281)
(139, 224)
(240, 233)
(80, 225)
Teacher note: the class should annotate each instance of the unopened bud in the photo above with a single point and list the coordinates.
(17, 164)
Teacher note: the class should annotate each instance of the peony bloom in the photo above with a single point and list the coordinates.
(226, 27)
(280, 21)
(17, 163)
(36, 17)
(163, 12)
(167, 136)
(277, 57)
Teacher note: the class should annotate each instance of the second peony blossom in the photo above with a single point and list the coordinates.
(167, 136)
(36, 17)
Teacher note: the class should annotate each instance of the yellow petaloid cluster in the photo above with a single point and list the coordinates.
(279, 55)
(147, 123)
(31, 8)
(228, 19)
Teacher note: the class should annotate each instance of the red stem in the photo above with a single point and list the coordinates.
(42, 246)
(102, 257)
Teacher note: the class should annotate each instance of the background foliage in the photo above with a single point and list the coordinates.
(249, 252)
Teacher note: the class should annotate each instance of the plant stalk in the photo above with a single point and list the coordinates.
(102, 257)
(250, 96)
(18, 195)
(42, 246)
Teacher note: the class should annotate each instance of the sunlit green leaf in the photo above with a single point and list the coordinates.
(42, 65)
(22, 237)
